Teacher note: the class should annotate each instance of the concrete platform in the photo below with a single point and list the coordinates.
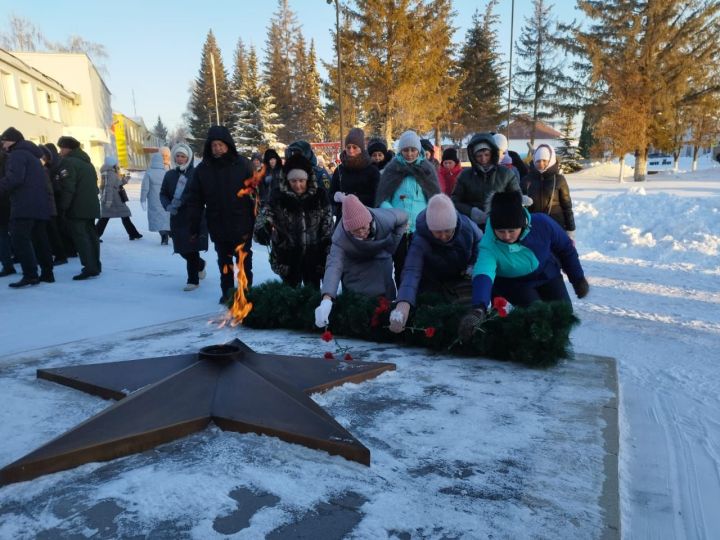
(460, 449)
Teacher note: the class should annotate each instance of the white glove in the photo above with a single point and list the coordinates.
(322, 313)
(527, 201)
(339, 197)
(398, 317)
(477, 215)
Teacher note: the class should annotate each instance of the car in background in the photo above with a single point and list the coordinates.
(658, 162)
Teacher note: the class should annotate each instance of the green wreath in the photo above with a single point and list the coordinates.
(538, 335)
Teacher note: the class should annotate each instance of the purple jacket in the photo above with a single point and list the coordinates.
(26, 182)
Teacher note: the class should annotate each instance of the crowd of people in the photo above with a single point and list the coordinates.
(381, 224)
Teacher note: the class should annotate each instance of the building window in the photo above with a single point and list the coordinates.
(27, 97)
(8, 87)
(54, 107)
(43, 105)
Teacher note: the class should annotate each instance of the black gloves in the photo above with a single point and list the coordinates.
(469, 323)
(581, 287)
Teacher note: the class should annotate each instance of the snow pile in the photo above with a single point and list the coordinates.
(608, 169)
(659, 226)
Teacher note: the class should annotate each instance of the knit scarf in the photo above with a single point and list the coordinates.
(177, 196)
(398, 169)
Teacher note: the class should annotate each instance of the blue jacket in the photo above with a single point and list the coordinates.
(537, 257)
(27, 183)
(444, 261)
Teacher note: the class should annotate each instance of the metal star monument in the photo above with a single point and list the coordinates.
(165, 398)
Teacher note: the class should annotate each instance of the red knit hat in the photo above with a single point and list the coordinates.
(354, 213)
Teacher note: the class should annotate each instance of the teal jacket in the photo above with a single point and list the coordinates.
(409, 193)
(537, 257)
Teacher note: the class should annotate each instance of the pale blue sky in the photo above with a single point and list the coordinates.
(154, 47)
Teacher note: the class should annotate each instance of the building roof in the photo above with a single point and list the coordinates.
(28, 55)
(521, 128)
(12, 59)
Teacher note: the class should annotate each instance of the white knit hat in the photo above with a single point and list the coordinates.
(409, 139)
(501, 142)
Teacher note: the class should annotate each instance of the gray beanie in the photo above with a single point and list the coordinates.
(409, 139)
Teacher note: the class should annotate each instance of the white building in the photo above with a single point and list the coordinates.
(90, 115)
(32, 102)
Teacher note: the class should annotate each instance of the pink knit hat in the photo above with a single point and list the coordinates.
(354, 213)
(440, 213)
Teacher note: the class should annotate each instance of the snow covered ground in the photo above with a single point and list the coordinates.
(651, 252)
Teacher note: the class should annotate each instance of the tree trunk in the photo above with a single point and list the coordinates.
(676, 160)
(438, 140)
(696, 149)
(622, 168)
(388, 131)
(640, 164)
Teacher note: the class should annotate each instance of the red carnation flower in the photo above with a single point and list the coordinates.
(326, 335)
(499, 302)
(383, 305)
(329, 356)
(429, 332)
(348, 357)
(500, 305)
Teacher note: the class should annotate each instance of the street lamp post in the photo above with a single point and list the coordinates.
(339, 65)
(512, 27)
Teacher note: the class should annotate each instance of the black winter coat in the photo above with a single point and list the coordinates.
(298, 227)
(217, 182)
(355, 176)
(475, 187)
(4, 197)
(26, 182)
(180, 219)
(550, 194)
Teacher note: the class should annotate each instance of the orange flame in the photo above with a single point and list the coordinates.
(241, 307)
(251, 185)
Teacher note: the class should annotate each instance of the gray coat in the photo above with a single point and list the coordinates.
(366, 266)
(158, 217)
(111, 205)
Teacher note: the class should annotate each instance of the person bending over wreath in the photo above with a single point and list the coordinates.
(361, 253)
(520, 259)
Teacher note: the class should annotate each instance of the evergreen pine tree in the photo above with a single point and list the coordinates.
(308, 110)
(350, 99)
(160, 131)
(639, 52)
(278, 73)
(238, 77)
(202, 113)
(540, 83)
(256, 124)
(399, 67)
(441, 99)
(479, 101)
(587, 141)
